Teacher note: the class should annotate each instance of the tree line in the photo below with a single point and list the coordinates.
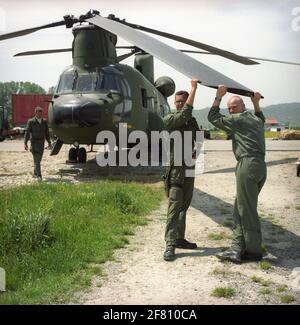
(18, 87)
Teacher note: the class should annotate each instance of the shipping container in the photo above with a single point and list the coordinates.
(23, 107)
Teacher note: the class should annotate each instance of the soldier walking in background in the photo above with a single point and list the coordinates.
(37, 131)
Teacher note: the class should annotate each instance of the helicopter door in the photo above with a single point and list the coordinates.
(122, 112)
(127, 99)
(141, 108)
(148, 101)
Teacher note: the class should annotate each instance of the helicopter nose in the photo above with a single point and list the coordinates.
(77, 113)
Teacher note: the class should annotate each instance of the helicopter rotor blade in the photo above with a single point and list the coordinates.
(69, 21)
(206, 47)
(276, 61)
(125, 56)
(248, 57)
(43, 52)
(126, 47)
(179, 61)
(30, 30)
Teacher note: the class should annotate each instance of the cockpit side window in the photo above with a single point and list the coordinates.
(66, 83)
(111, 83)
(125, 88)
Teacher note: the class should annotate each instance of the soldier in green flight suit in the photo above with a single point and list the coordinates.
(179, 186)
(248, 143)
(37, 131)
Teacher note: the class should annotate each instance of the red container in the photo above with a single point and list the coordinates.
(23, 107)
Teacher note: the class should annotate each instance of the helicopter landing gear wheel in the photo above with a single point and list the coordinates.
(82, 155)
(73, 154)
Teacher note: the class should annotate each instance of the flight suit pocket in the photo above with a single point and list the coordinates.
(166, 180)
(257, 170)
(177, 175)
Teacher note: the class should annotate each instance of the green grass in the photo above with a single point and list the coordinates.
(218, 135)
(53, 236)
(228, 223)
(271, 134)
(265, 291)
(223, 292)
(217, 236)
(221, 135)
(264, 265)
(224, 272)
(287, 299)
(264, 248)
(263, 282)
(282, 288)
(256, 279)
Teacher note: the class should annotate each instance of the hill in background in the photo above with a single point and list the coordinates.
(287, 114)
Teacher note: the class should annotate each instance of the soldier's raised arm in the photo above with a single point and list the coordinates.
(194, 85)
(226, 123)
(255, 101)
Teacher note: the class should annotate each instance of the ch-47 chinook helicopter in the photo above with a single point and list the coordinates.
(97, 92)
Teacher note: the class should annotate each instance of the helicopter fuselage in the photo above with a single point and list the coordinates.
(89, 101)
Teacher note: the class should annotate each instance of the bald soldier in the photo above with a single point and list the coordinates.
(179, 186)
(37, 131)
(248, 143)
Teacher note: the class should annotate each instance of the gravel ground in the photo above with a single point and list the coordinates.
(139, 275)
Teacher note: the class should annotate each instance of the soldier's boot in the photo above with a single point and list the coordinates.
(231, 255)
(252, 257)
(169, 254)
(183, 243)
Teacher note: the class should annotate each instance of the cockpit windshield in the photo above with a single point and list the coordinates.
(107, 79)
(84, 82)
(66, 83)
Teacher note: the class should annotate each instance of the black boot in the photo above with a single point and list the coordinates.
(183, 243)
(251, 257)
(230, 255)
(169, 254)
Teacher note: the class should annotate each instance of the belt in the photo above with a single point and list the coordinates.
(262, 157)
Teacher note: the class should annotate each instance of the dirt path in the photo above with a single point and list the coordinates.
(139, 275)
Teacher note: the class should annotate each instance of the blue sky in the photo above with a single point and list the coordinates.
(250, 28)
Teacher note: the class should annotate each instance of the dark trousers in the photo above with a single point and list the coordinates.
(37, 150)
